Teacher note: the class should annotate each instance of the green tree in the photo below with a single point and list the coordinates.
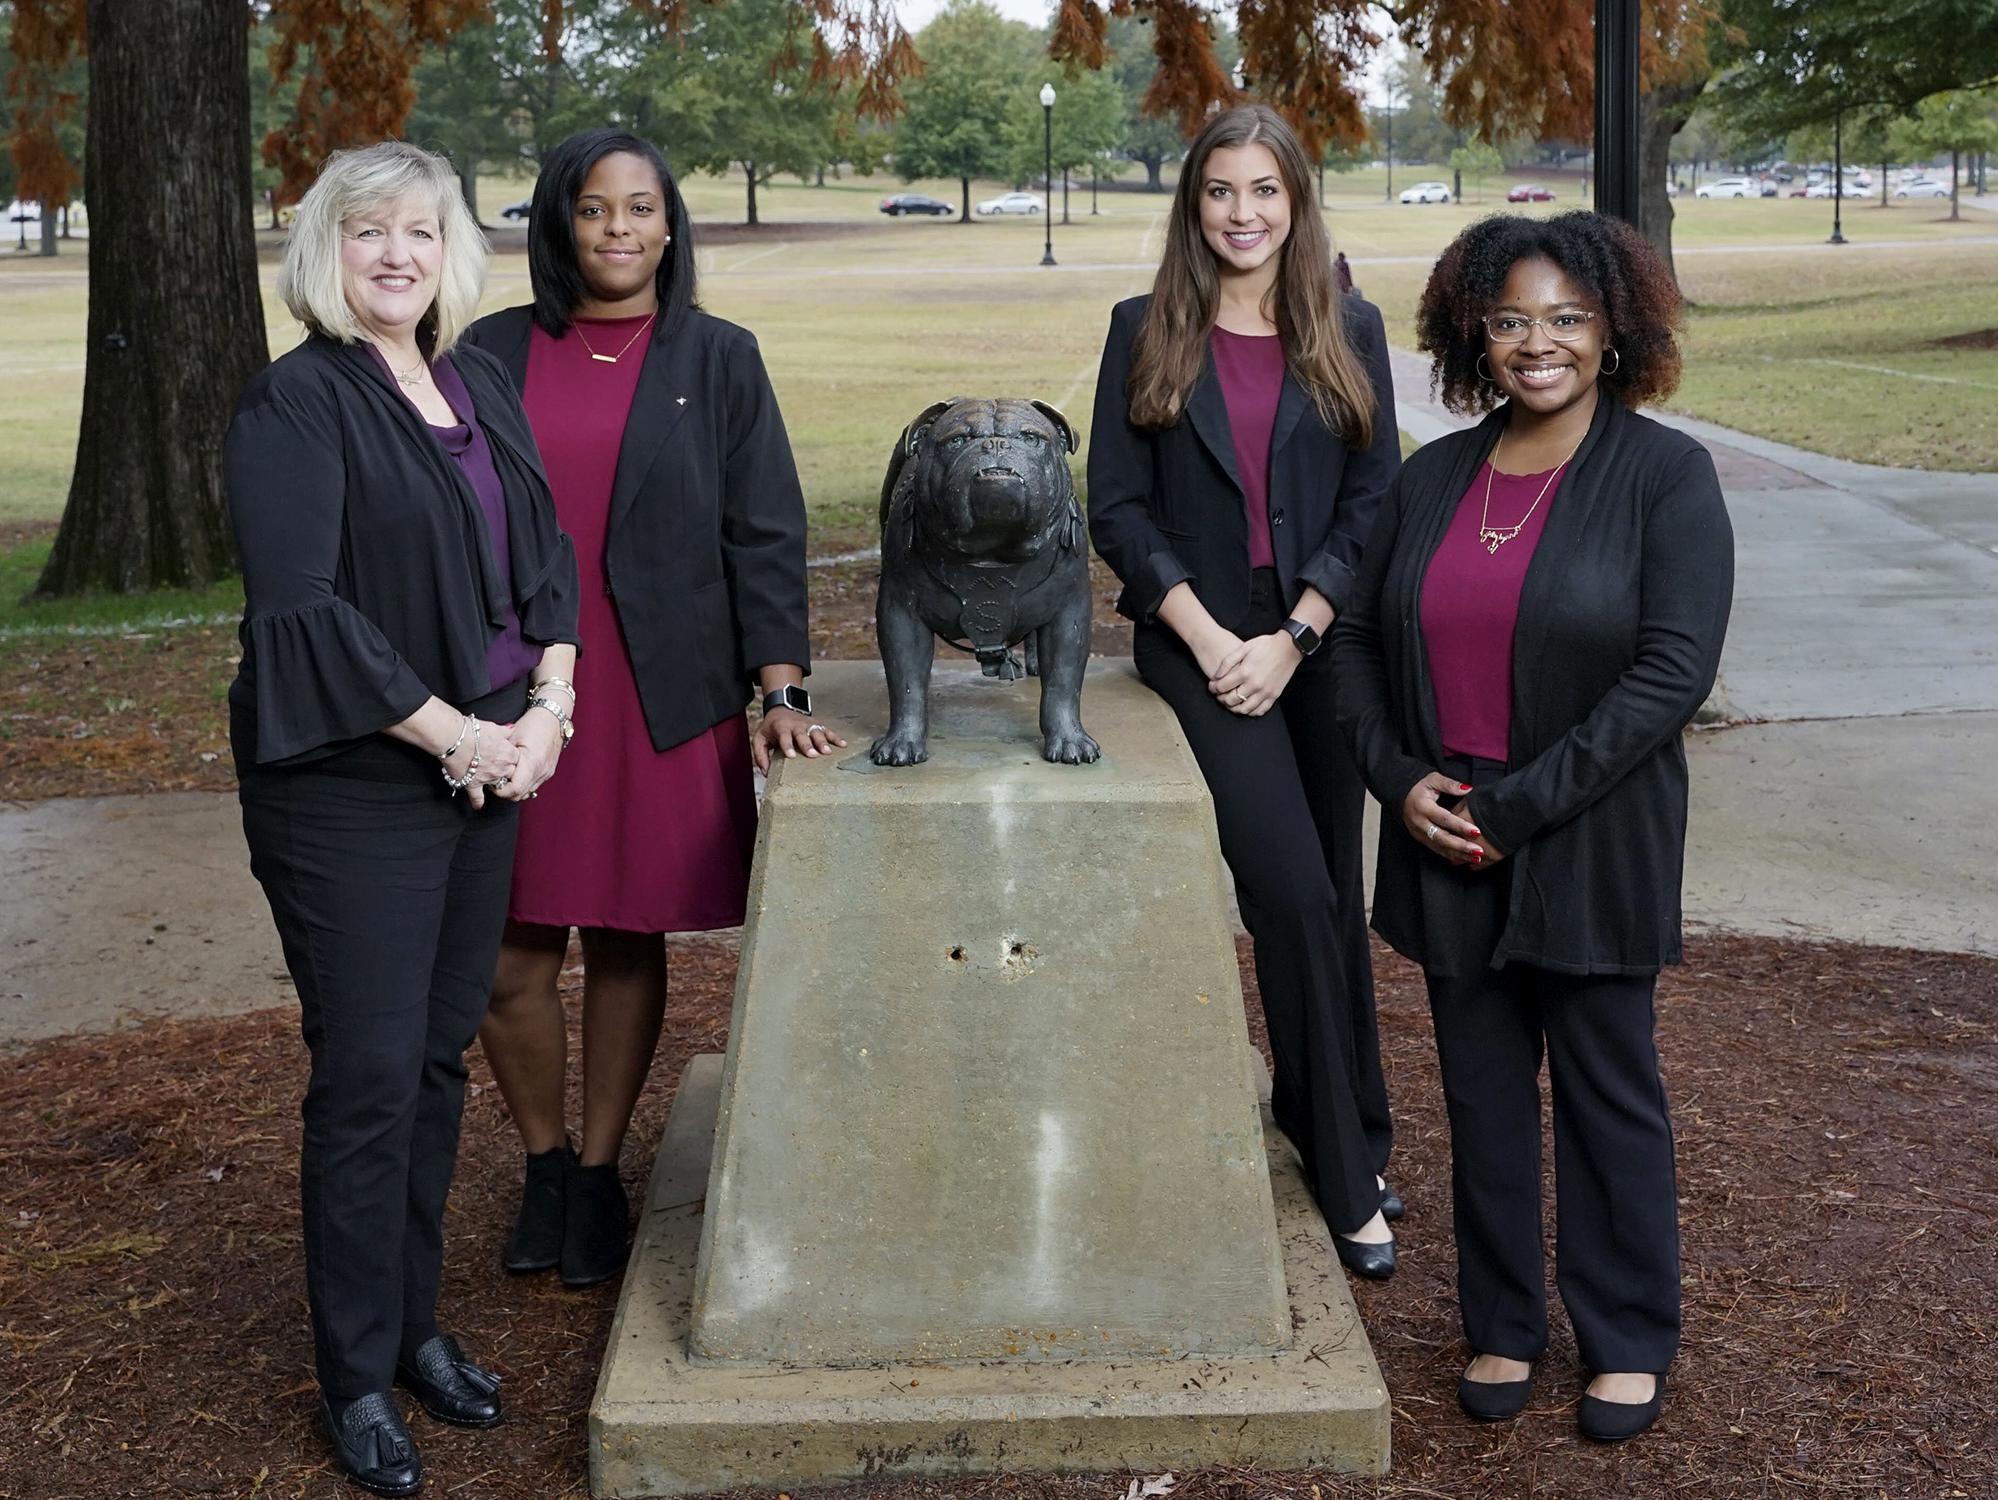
(1962, 121)
(1477, 160)
(1088, 123)
(955, 121)
(1148, 140)
(465, 105)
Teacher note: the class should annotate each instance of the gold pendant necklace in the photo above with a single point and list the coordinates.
(1495, 537)
(412, 379)
(611, 359)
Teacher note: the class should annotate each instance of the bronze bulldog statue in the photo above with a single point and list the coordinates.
(983, 543)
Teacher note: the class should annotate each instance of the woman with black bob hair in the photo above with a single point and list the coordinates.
(1540, 612)
(671, 470)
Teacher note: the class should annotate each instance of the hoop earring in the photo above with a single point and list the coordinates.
(1480, 367)
(1612, 369)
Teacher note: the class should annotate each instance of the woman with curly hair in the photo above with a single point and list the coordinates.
(1539, 613)
(1244, 436)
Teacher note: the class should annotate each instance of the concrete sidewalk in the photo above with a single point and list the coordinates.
(1845, 800)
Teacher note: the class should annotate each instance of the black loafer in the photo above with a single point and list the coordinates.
(450, 1387)
(1392, 1208)
(1614, 1421)
(536, 1241)
(1493, 1400)
(1375, 1262)
(597, 1221)
(372, 1446)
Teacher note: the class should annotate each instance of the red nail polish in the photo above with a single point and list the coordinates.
(1463, 786)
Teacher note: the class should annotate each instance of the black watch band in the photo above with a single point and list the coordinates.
(1305, 637)
(789, 696)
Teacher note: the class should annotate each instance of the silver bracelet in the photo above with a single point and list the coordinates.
(554, 682)
(464, 728)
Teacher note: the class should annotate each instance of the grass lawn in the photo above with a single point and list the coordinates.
(864, 319)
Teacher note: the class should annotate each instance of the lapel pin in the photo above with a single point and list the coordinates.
(681, 399)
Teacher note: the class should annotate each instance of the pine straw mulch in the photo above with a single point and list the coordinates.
(1835, 1109)
(145, 711)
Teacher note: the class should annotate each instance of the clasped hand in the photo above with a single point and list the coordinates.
(1249, 676)
(1448, 831)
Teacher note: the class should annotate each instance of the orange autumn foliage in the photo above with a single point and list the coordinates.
(47, 36)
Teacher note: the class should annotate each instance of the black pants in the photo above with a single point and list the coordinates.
(1288, 803)
(1616, 1206)
(389, 898)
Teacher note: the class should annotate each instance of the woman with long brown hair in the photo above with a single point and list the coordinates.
(1244, 435)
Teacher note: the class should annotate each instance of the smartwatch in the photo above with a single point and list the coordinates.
(1305, 637)
(789, 696)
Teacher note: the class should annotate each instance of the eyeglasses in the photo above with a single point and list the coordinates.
(1562, 327)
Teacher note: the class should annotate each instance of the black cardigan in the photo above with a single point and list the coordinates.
(1166, 507)
(368, 575)
(704, 558)
(1621, 619)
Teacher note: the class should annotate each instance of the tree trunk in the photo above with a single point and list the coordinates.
(172, 337)
(48, 229)
(964, 186)
(270, 197)
(1154, 183)
(1661, 114)
(1955, 163)
(749, 171)
(468, 184)
(1883, 186)
(1456, 184)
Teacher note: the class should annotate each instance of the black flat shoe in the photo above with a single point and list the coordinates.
(449, 1386)
(1375, 1262)
(597, 1218)
(1493, 1400)
(372, 1446)
(536, 1241)
(1614, 1421)
(1392, 1208)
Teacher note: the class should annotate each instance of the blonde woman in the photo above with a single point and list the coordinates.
(1244, 435)
(408, 634)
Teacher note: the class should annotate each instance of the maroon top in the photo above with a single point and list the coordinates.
(1250, 368)
(509, 657)
(1470, 602)
(622, 836)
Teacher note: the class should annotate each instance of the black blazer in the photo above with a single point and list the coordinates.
(1167, 507)
(1621, 619)
(368, 575)
(705, 553)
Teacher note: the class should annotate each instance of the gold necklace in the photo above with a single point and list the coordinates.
(611, 359)
(413, 378)
(1495, 537)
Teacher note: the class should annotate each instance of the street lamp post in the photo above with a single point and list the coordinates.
(1838, 177)
(1047, 138)
(1616, 143)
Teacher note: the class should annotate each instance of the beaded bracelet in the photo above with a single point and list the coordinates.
(459, 783)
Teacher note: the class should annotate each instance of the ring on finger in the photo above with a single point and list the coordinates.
(817, 729)
(1433, 831)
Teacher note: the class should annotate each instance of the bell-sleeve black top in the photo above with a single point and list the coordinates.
(368, 573)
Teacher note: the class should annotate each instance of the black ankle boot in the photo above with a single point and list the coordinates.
(536, 1241)
(372, 1446)
(597, 1216)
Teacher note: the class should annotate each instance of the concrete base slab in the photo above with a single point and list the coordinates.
(663, 1425)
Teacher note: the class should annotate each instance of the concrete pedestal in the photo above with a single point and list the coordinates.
(989, 1184)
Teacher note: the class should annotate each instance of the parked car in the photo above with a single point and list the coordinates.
(1825, 190)
(1768, 186)
(517, 210)
(1529, 192)
(1921, 187)
(1727, 187)
(1427, 192)
(1011, 203)
(914, 203)
(19, 212)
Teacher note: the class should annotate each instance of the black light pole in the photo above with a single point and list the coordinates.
(1838, 176)
(1047, 121)
(1617, 181)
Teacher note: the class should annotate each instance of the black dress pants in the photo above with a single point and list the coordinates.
(389, 897)
(1616, 1203)
(1288, 803)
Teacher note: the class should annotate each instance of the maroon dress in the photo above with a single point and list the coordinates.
(622, 836)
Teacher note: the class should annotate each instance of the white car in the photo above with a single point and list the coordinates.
(1427, 192)
(1728, 187)
(1825, 190)
(1921, 187)
(1011, 203)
